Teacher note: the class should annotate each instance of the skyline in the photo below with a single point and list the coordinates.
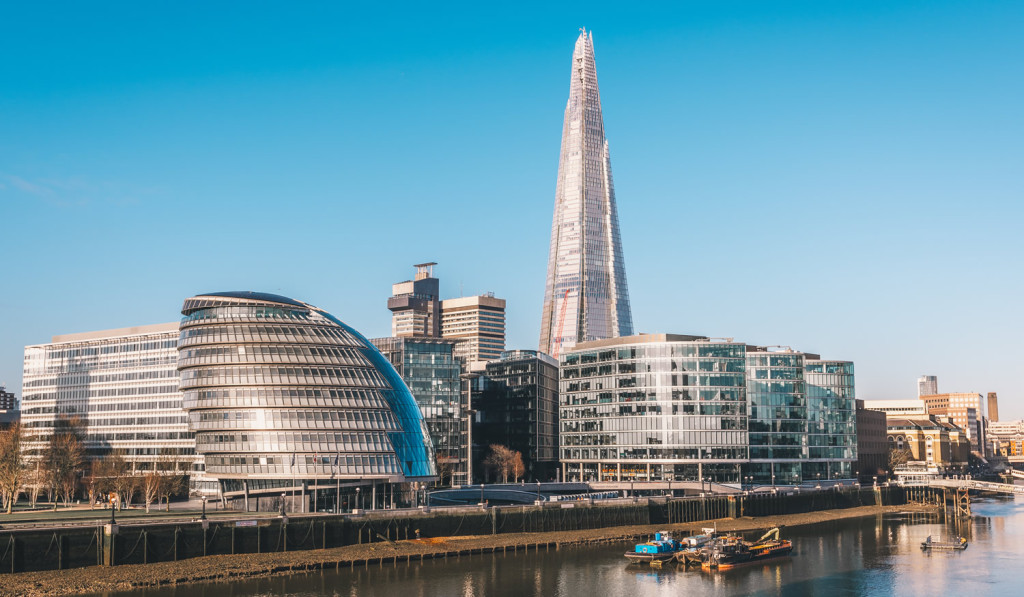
(848, 198)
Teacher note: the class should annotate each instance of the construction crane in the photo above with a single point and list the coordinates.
(561, 323)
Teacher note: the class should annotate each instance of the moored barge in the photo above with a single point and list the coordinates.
(730, 552)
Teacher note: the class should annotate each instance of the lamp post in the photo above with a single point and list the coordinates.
(469, 377)
(283, 496)
(203, 517)
(359, 499)
(112, 508)
(538, 491)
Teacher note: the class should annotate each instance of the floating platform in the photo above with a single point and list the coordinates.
(958, 543)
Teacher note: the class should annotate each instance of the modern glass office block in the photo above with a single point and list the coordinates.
(653, 407)
(778, 415)
(831, 420)
(429, 368)
(586, 297)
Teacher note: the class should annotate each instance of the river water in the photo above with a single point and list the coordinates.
(864, 556)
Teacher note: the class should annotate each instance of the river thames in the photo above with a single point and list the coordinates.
(864, 556)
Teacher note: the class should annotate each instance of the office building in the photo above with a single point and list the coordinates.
(831, 420)
(9, 413)
(967, 410)
(585, 297)
(516, 404)
(284, 397)
(653, 407)
(993, 408)
(7, 399)
(432, 373)
(776, 391)
(911, 408)
(872, 446)
(120, 385)
(927, 385)
(415, 305)
(932, 440)
(478, 324)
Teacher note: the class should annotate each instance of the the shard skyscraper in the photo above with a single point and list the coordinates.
(586, 296)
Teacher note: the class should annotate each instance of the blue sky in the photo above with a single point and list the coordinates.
(844, 178)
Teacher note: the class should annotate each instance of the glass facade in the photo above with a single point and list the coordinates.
(430, 370)
(653, 408)
(585, 297)
(778, 415)
(121, 385)
(831, 420)
(661, 407)
(279, 390)
(517, 407)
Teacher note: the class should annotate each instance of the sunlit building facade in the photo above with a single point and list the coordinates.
(831, 420)
(586, 297)
(777, 394)
(478, 324)
(653, 407)
(120, 386)
(282, 396)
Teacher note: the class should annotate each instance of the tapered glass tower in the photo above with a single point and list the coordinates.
(586, 296)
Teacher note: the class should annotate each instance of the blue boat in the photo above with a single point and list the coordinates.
(664, 548)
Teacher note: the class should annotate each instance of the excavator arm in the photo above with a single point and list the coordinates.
(772, 534)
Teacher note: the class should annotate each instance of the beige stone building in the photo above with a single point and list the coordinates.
(932, 440)
(478, 324)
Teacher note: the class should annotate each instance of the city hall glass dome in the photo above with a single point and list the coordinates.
(278, 390)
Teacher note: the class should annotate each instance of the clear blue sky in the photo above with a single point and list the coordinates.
(841, 177)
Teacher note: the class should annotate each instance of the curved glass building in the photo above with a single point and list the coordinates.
(283, 396)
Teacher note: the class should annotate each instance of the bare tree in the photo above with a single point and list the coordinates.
(151, 486)
(12, 464)
(445, 469)
(120, 479)
(500, 460)
(174, 480)
(898, 457)
(63, 458)
(516, 465)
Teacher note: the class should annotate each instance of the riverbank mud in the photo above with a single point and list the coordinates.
(98, 579)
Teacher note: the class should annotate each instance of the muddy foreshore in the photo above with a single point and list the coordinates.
(222, 568)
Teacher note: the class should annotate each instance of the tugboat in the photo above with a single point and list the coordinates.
(954, 543)
(729, 552)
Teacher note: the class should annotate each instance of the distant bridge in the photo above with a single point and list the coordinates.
(966, 484)
(961, 489)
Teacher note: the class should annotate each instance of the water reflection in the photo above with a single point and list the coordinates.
(867, 556)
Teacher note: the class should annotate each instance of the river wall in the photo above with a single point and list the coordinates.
(23, 550)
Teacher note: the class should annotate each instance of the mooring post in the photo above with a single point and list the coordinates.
(109, 541)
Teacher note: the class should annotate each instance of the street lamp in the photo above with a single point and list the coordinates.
(469, 377)
(112, 521)
(283, 496)
(538, 491)
(203, 517)
(359, 500)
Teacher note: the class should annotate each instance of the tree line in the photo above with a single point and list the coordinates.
(62, 471)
